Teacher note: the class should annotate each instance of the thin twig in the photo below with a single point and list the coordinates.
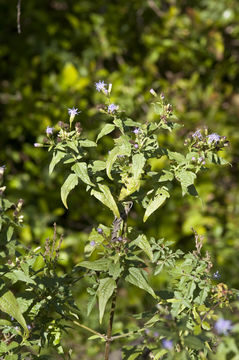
(90, 330)
(19, 16)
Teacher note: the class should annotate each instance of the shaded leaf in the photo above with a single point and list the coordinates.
(97, 265)
(56, 158)
(138, 162)
(143, 244)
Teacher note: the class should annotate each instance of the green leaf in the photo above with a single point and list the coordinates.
(18, 275)
(98, 165)
(69, 184)
(136, 278)
(108, 128)
(123, 148)
(106, 198)
(138, 162)
(159, 354)
(167, 176)
(160, 196)
(104, 292)
(96, 265)
(215, 159)
(87, 143)
(179, 158)
(143, 244)
(193, 342)
(80, 169)
(130, 186)
(56, 158)
(9, 305)
(90, 304)
(186, 179)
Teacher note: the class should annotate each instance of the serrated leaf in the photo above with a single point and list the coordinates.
(106, 198)
(104, 292)
(160, 196)
(96, 265)
(138, 162)
(58, 155)
(80, 169)
(144, 245)
(107, 129)
(136, 278)
(9, 305)
(69, 184)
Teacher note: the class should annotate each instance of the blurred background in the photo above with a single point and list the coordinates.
(50, 60)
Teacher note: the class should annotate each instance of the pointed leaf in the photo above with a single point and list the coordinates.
(9, 305)
(69, 184)
(56, 158)
(186, 179)
(143, 244)
(138, 162)
(108, 128)
(160, 196)
(80, 169)
(104, 292)
(136, 278)
(106, 198)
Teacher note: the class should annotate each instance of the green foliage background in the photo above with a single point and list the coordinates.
(187, 49)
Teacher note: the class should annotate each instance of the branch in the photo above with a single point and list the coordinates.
(19, 17)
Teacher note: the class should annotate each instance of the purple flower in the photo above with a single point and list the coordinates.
(162, 96)
(222, 326)
(197, 135)
(92, 243)
(193, 158)
(120, 238)
(49, 130)
(167, 344)
(136, 131)
(213, 137)
(29, 327)
(100, 86)
(147, 331)
(156, 334)
(112, 108)
(37, 145)
(100, 231)
(73, 111)
(152, 92)
(136, 146)
(216, 275)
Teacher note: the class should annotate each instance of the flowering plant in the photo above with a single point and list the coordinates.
(184, 320)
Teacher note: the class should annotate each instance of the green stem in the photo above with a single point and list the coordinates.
(109, 331)
(127, 334)
(90, 330)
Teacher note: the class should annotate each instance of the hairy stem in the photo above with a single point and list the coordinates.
(109, 330)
